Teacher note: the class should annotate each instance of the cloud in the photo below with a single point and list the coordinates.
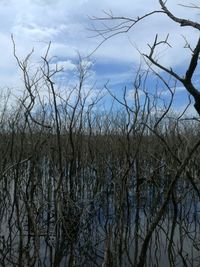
(36, 32)
(67, 65)
(65, 23)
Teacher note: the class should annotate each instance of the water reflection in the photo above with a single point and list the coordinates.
(103, 222)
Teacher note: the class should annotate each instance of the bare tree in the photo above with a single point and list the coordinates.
(125, 24)
(83, 185)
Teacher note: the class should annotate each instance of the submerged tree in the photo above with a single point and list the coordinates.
(115, 25)
(85, 186)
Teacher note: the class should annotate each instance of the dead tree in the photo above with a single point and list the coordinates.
(125, 24)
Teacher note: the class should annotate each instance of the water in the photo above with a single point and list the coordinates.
(98, 219)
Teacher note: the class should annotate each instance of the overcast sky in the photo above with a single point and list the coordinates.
(66, 24)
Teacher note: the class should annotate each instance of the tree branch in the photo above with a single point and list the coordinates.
(182, 22)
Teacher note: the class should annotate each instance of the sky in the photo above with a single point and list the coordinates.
(69, 26)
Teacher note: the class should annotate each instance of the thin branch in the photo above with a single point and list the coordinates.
(107, 33)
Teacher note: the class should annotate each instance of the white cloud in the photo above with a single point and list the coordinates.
(65, 22)
(67, 65)
(36, 32)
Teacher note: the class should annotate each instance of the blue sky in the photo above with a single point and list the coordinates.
(66, 23)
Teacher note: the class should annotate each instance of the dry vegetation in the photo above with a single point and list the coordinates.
(82, 186)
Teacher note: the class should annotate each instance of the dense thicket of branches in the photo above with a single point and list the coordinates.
(83, 186)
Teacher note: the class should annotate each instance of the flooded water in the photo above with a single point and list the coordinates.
(101, 224)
